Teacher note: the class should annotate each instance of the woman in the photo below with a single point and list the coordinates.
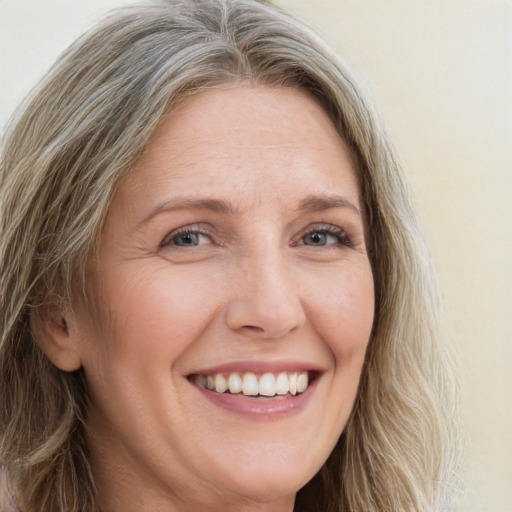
(214, 293)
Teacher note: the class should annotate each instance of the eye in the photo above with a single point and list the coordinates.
(325, 236)
(317, 238)
(186, 237)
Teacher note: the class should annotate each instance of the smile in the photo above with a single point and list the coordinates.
(249, 384)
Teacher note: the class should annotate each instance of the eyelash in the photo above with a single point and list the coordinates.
(187, 230)
(326, 229)
(329, 229)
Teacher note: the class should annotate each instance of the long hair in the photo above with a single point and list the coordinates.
(79, 135)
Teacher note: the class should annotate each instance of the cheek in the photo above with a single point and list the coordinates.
(344, 311)
(157, 310)
(150, 318)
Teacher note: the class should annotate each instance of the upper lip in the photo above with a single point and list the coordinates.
(255, 366)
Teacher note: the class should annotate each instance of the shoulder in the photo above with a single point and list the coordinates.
(7, 501)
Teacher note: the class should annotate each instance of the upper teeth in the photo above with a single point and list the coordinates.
(268, 384)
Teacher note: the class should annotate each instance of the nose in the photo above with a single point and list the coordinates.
(265, 300)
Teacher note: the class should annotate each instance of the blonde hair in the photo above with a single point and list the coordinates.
(75, 140)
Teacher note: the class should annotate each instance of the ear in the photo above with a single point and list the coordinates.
(56, 338)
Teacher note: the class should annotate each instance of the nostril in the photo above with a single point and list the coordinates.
(252, 328)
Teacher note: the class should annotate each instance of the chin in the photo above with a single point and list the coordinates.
(267, 490)
(269, 480)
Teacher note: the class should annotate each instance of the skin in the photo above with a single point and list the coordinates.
(253, 287)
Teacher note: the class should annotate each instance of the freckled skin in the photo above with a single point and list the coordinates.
(251, 286)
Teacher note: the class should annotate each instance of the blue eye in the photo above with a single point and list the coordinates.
(186, 239)
(325, 237)
(316, 238)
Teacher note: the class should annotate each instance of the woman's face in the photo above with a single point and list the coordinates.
(234, 255)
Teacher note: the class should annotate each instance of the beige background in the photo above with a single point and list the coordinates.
(441, 71)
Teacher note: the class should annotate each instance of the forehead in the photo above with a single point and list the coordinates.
(257, 142)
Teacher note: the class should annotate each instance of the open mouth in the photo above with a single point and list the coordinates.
(256, 385)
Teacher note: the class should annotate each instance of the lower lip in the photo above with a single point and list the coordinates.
(259, 407)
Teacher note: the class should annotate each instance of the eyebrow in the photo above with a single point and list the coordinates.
(311, 203)
(215, 205)
(314, 203)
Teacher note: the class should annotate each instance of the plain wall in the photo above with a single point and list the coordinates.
(441, 72)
